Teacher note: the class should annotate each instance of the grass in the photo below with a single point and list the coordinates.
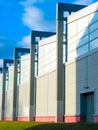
(14, 125)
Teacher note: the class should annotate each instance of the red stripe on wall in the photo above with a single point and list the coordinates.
(71, 118)
(8, 118)
(96, 118)
(23, 118)
(45, 118)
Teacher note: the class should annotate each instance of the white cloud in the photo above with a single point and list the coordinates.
(25, 42)
(34, 17)
(84, 2)
(27, 3)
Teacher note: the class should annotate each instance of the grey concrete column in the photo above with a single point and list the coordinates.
(34, 35)
(61, 7)
(0, 70)
(59, 65)
(17, 51)
(3, 91)
(15, 85)
(32, 77)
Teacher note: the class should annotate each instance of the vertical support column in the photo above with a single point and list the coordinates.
(61, 7)
(34, 35)
(32, 78)
(15, 85)
(0, 70)
(59, 66)
(3, 90)
(17, 51)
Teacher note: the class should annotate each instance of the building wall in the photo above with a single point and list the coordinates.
(81, 70)
(9, 95)
(25, 69)
(1, 76)
(47, 55)
(46, 97)
(24, 89)
(24, 102)
(75, 79)
(92, 81)
(81, 77)
(9, 105)
(82, 31)
(46, 81)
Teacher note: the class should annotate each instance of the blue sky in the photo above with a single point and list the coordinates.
(18, 17)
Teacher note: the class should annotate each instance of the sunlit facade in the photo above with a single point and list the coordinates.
(56, 80)
(82, 32)
(8, 115)
(46, 81)
(24, 89)
(47, 55)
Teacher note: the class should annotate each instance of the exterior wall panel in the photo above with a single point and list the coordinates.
(24, 90)
(9, 105)
(24, 102)
(84, 80)
(9, 96)
(46, 97)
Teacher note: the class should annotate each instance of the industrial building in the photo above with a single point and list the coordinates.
(56, 79)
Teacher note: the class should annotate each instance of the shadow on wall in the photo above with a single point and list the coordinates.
(84, 93)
